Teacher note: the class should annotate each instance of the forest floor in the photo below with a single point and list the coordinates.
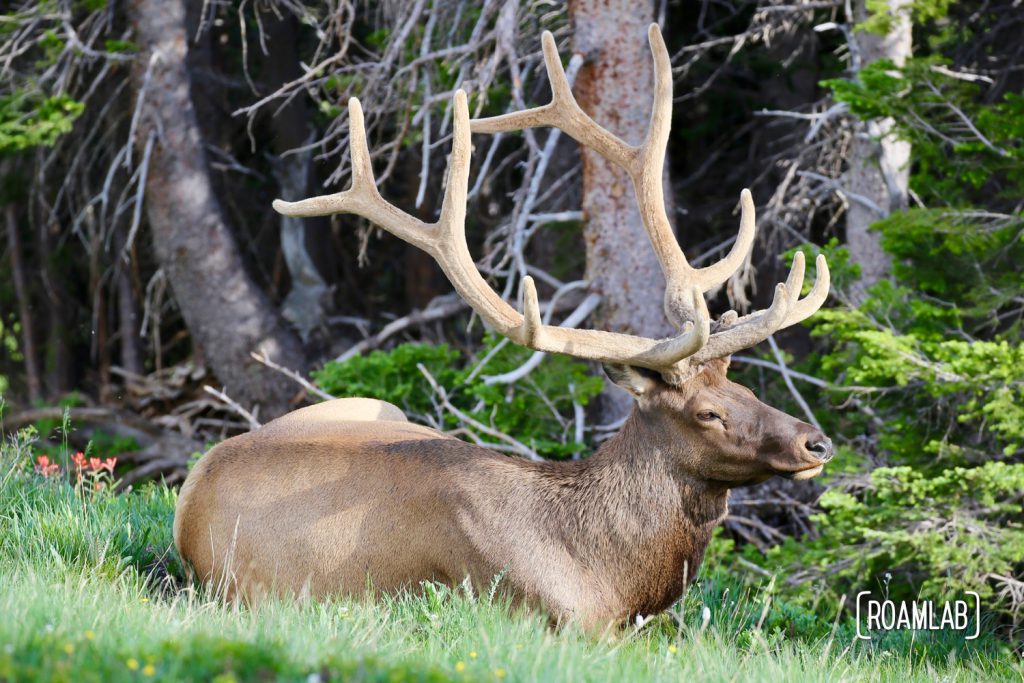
(92, 589)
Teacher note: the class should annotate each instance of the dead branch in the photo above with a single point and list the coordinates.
(234, 406)
(440, 308)
(513, 444)
(262, 357)
(788, 379)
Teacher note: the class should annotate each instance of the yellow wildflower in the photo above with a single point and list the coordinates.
(460, 666)
(148, 670)
(133, 664)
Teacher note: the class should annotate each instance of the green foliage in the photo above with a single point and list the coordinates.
(392, 376)
(964, 149)
(937, 534)
(929, 493)
(943, 342)
(124, 46)
(881, 19)
(968, 257)
(536, 410)
(938, 356)
(841, 270)
(29, 121)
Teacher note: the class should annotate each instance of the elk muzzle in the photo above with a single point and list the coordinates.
(814, 449)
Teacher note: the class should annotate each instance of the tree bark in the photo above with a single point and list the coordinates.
(295, 174)
(879, 164)
(33, 378)
(616, 87)
(128, 323)
(60, 316)
(227, 315)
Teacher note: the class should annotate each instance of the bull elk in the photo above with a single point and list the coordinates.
(347, 494)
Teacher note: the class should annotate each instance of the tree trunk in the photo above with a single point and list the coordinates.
(227, 315)
(33, 378)
(879, 164)
(60, 316)
(616, 87)
(295, 174)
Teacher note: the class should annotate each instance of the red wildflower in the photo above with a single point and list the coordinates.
(45, 467)
(94, 464)
(79, 460)
(108, 465)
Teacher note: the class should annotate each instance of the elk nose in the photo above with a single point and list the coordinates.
(821, 448)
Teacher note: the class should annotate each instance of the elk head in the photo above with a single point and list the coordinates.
(718, 431)
(679, 382)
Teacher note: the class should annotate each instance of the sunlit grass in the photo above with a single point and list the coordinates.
(91, 589)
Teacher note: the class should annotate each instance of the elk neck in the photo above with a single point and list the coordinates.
(631, 514)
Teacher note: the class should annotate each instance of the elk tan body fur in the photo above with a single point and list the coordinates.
(331, 507)
(345, 410)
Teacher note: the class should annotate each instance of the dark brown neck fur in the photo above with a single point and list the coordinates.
(630, 514)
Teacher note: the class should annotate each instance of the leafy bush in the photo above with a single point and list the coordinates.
(928, 496)
(29, 120)
(930, 537)
(537, 410)
(392, 376)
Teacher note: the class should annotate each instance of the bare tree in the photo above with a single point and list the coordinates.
(227, 315)
(878, 171)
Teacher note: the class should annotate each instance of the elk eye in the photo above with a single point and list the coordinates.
(708, 416)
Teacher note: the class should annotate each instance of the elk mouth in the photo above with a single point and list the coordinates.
(801, 475)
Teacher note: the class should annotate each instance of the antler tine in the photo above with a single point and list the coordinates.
(814, 300)
(362, 198)
(667, 356)
(786, 309)
(445, 241)
(748, 331)
(452, 222)
(644, 164)
(563, 112)
(532, 325)
(717, 273)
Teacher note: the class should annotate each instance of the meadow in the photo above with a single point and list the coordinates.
(91, 589)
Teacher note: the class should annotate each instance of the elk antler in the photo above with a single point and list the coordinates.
(675, 358)
(645, 166)
(445, 241)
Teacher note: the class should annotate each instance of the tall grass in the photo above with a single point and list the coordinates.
(91, 589)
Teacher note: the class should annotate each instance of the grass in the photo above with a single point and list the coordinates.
(91, 589)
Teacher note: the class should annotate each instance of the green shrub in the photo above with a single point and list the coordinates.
(927, 494)
(537, 410)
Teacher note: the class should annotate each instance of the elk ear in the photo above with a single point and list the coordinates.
(637, 381)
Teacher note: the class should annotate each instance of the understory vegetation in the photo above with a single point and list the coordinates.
(927, 373)
(91, 589)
